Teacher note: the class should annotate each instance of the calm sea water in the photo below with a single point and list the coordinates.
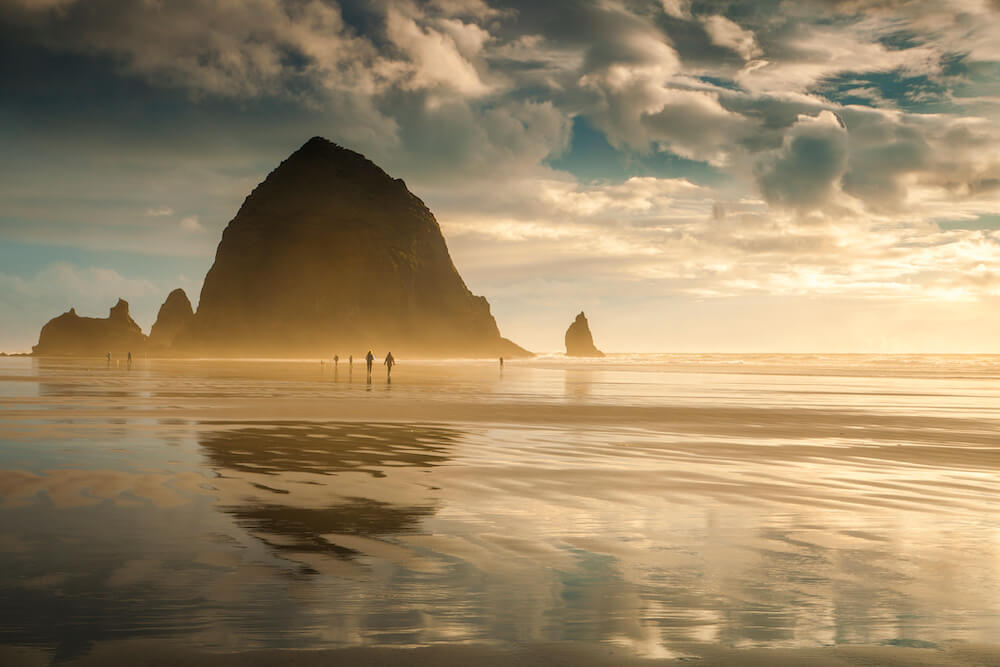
(644, 501)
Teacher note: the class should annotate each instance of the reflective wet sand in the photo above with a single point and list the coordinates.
(648, 507)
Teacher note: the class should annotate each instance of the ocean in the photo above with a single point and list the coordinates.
(650, 503)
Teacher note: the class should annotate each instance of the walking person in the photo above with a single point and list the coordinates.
(369, 359)
(130, 361)
(109, 360)
(389, 363)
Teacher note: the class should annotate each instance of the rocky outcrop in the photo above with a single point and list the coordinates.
(330, 254)
(579, 341)
(327, 255)
(72, 335)
(176, 315)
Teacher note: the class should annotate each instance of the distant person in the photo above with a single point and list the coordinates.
(369, 359)
(350, 366)
(389, 363)
(109, 360)
(501, 363)
(129, 361)
(336, 360)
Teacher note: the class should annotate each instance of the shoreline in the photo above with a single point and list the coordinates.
(161, 653)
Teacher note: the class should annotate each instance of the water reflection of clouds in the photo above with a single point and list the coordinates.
(577, 534)
(315, 532)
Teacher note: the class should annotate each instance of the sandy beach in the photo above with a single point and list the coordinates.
(161, 654)
(714, 509)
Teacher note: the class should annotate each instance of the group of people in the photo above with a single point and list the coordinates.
(389, 362)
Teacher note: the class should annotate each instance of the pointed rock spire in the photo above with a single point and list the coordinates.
(579, 340)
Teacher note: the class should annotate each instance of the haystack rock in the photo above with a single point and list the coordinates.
(175, 316)
(329, 254)
(579, 341)
(72, 335)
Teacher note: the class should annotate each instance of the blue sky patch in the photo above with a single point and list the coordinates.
(918, 94)
(590, 158)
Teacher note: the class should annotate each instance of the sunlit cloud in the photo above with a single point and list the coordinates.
(191, 224)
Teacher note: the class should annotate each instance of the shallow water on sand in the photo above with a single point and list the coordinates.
(643, 501)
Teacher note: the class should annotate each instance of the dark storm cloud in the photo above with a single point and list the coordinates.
(804, 173)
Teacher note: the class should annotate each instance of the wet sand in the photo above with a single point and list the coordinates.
(714, 510)
(164, 654)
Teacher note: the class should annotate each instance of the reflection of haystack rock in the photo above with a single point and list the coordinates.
(579, 341)
(289, 453)
(70, 334)
(328, 448)
(331, 253)
(175, 315)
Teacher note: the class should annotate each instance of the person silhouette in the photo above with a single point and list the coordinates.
(130, 361)
(336, 360)
(369, 358)
(389, 363)
(350, 366)
(109, 360)
(501, 363)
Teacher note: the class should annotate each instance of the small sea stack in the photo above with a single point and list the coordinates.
(174, 316)
(579, 340)
(72, 335)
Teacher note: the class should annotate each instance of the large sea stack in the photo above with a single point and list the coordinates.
(579, 340)
(175, 315)
(331, 255)
(72, 335)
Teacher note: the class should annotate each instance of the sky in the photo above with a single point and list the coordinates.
(758, 176)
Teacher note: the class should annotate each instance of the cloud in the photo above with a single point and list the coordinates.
(191, 224)
(677, 8)
(693, 124)
(438, 58)
(159, 211)
(261, 47)
(805, 173)
(725, 32)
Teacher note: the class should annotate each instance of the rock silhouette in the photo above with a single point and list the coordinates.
(331, 253)
(327, 253)
(579, 340)
(72, 335)
(175, 315)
